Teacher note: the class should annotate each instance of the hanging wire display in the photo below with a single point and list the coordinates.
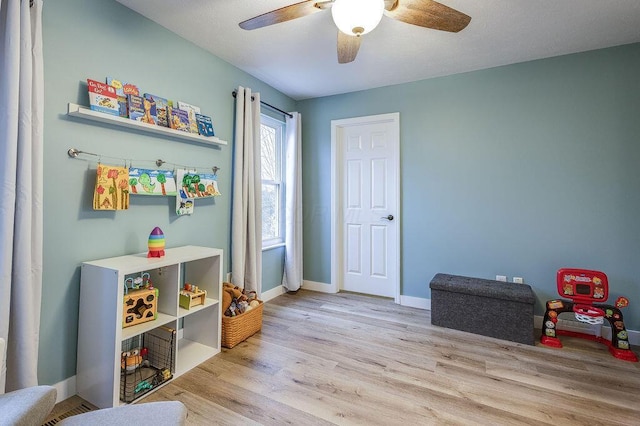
(128, 162)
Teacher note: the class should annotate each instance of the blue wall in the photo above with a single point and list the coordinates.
(93, 39)
(517, 170)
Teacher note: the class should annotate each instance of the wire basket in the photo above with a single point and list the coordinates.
(239, 328)
(147, 361)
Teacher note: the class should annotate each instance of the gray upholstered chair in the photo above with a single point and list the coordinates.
(32, 406)
(165, 413)
(27, 407)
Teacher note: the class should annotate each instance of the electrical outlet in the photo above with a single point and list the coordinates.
(228, 277)
(518, 280)
(502, 278)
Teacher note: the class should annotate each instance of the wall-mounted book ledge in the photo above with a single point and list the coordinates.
(85, 113)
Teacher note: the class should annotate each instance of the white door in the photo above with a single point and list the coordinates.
(366, 206)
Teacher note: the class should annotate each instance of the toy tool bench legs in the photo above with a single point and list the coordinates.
(584, 287)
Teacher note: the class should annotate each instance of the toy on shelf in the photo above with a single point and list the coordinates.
(142, 282)
(143, 385)
(147, 361)
(191, 295)
(130, 360)
(584, 288)
(140, 302)
(156, 243)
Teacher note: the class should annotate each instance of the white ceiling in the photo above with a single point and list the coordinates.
(298, 57)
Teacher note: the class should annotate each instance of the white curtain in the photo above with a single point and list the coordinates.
(246, 214)
(292, 278)
(21, 187)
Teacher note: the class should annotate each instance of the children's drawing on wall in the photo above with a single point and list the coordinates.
(152, 182)
(199, 185)
(192, 185)
(112, 188)
(184, 205)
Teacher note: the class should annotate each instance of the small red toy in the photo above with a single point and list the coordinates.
(584, 288)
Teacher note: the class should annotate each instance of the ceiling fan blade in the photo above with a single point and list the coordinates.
(428, 14)
(284, 14)
(348, 47)
(390, 4)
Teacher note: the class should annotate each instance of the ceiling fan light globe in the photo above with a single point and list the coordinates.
(357, 17)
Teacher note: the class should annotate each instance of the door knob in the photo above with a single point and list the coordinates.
(389, 218)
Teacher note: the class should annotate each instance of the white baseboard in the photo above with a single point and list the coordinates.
(317, 286)
(415, 302)
(634, 335)
(272, 294)
(65, 389)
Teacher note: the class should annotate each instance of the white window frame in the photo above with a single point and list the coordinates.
(279, 126)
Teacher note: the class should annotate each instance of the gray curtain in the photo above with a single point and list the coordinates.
(246, 214)
(292, 278)
(21, 137)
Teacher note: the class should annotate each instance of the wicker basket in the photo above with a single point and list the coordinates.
(238, 329)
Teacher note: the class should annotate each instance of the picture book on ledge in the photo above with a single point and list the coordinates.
(192, 110)
(102, 97)
(179, 119)
(142, 109)
(205, 125)
(122, 90)
(162, 105)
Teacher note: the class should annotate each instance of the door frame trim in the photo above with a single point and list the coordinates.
(337, 189)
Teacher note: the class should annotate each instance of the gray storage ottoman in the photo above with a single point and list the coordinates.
(491, 308)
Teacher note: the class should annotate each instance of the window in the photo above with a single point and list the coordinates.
(272, 148)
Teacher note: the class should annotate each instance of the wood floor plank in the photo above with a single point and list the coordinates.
(538, 402)
(342, 399)
(236, 391)
(593, 390)
(201, 410)
(353, 368)
(295, 390)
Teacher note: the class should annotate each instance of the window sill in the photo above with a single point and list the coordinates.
(273, 246)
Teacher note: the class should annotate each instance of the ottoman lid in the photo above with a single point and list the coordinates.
(482, 287)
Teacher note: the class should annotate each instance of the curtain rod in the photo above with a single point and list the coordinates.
(235, 92)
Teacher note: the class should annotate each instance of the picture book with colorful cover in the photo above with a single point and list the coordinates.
(123, 107)
(192, 110)
(205, 125)
(161, 108)
(141, 109)
(102, 97)
(122, 90)
(179, 119)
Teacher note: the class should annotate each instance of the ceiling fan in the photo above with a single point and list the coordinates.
(355, 18)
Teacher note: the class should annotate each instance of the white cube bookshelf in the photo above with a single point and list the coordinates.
(100, 330)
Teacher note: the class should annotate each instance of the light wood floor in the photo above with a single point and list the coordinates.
(351, 359)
